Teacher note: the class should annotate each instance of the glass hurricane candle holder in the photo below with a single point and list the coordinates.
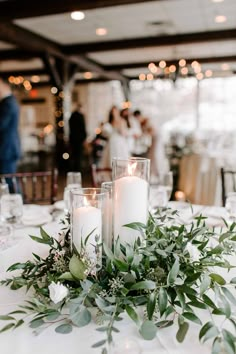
(87, 221)
(107, 235)
(130, 196)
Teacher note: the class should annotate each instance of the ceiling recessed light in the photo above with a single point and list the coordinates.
(101, 31)
(217, 0)
(220, 19)
(77, 15)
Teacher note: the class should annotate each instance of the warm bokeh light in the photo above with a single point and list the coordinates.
(101, 31)
(208, 73)
(54, 90)
(35, 78)
(65, 156)
(142, 77)
(58, 114)
(197, 69)
(199, 76)
(77, 15)
(34, 93)
(61, 124)
(11, 79)
(220, 19)
(48, 129)
(149, 77)
(172, 68)
(194, 64)
(180, 196)
(167, 70)
(182, 62)
(162, 64)
(27, 85)
(184, 71)
(88, 75)
(217, 0)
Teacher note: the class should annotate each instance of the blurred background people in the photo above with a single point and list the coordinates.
(9, 136)
(117, 143)
(133, 129)
(143, 142)
(77, 137)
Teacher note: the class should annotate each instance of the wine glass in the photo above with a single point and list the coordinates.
(74, 178)
(12, 208)
(5, 230)
(165, 180)
(73, 181)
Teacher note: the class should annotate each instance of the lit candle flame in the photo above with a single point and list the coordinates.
(131, 168)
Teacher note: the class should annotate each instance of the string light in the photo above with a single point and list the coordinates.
(142, 77)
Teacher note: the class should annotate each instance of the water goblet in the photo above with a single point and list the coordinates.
(12, 208)
(73, 178)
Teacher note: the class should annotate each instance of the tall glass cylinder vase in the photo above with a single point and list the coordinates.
(87, 221)
(107, 235)
(130, 196)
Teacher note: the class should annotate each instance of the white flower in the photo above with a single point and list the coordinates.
(194, 253)
(57, 292)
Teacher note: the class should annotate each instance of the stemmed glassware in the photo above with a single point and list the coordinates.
(5, 230)
(12, 208)
(161, 189)
(73, 181)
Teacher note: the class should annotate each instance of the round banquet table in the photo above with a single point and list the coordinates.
(79, 341)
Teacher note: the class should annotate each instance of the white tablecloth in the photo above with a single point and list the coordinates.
(22, 340)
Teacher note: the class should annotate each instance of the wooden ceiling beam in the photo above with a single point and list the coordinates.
(30, 41)
(152, 41)
(16, 9)
(28, 72)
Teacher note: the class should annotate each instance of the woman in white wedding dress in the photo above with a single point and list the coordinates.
(117, 144)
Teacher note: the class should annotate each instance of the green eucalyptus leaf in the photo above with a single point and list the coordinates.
(206, 282)
(99, 344)
(162, 300)
(66, 276)
(145, 284)
(216, 347)
(151, 304)
(229, 295)
(77, 268)
(64, 328)
(81, 317)
(173, 272)
(36, 323)
(44, 235)
(7, 327)
(192, 317)
(217, 278)
(6, 318)
(148, 330)
(182, 331)
(136, 226)
(132, 314)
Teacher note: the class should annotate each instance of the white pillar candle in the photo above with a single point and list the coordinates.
(85, 220)
(130, 205)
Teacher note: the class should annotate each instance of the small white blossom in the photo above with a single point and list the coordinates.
(194, 253)
(57, 292)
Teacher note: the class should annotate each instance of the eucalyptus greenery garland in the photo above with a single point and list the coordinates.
(171, 270)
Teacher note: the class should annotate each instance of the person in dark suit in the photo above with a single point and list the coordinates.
(77, 138)
(9, 136)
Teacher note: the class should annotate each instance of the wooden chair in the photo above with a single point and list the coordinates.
(228, 183)
(35, 187)
(100, 175)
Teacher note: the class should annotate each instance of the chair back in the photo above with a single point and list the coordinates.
(35, 187)
(228, 183)
(100, 175)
